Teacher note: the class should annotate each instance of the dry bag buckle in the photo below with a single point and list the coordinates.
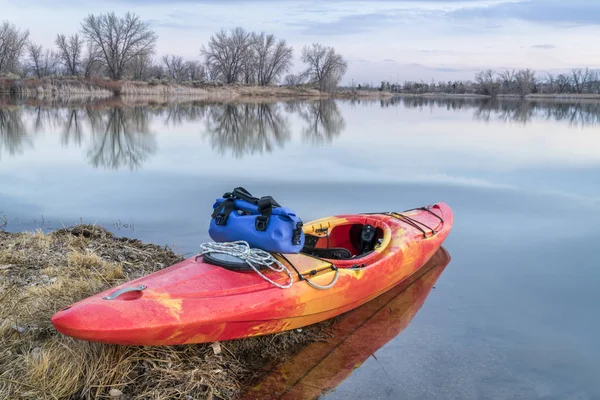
(261, 222)
(221, 219)
(296, 239)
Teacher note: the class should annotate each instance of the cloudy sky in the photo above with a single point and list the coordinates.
(391, 40)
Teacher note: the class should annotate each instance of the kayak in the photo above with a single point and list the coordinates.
(357, 335)
(346, 261)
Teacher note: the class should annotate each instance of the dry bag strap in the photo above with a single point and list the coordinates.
(242, 194)
(265, 208)
(221, 213)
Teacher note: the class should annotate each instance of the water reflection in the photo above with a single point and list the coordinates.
(323, 120)
(247, 128)
(574, 112)
(356, 335)
(120, 137)
(13, 135)
(117, 132)
(72, 131)
(177, 114)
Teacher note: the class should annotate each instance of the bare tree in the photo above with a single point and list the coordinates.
(294, 79)
(563, 82)
(70, 51)
(141, 65)
(581, 79)
(487, 84)
(119, 39)
(175, 67)
(525, 81)
(272, 58)
(507, 79)
(594, 81)
(195, 71)
(12, 45)
(250, 69)
(157, 71)
(550, 83)
(42, 63)
(211, 71)
(226, 54)
(92, 61)
(325, 67)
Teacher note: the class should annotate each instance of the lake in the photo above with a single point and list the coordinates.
(514, 315)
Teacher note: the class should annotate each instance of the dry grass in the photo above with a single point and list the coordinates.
(66, 87)
(40, 273)
(59, 87)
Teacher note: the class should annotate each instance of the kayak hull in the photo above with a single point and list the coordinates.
(196, 302)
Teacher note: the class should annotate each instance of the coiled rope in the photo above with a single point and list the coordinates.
(255, 257)
(252, 256)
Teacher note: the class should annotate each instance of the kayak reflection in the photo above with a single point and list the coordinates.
(356, 335)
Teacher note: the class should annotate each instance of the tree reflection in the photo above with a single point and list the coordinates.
(117, 132)
(180, 113)
(121, 137)
(13, 132)
(323, 120)
(246, 128)
(574, 112)
(72, 128)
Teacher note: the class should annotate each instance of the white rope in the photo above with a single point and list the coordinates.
(253, 257)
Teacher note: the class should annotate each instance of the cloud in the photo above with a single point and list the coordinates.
(544, 46)
(540, 11)
(164, 23)
(448, 52)
(438, 69)
(348, 24)
(389, 60)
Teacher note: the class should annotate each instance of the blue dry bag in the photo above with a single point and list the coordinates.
(263, 223)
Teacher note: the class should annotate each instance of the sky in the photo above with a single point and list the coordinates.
(382, 40)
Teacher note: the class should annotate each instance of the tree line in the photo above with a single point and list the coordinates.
(124, 47)
(510, 82)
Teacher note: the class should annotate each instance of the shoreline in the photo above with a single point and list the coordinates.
(533, 96)
(106, 89)
(42, 272)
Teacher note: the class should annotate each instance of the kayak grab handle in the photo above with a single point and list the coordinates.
(124, 290)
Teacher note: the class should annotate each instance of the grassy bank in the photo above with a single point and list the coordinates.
(65, 87)
(41, 273)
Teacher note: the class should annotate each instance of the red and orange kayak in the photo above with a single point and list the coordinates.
(195, 301)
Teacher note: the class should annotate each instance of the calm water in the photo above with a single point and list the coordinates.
(514, 315)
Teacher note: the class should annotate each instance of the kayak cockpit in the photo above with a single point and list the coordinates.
(346, 238)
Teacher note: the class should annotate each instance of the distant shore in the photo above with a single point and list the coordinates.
(532, 96)
(105, 88)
